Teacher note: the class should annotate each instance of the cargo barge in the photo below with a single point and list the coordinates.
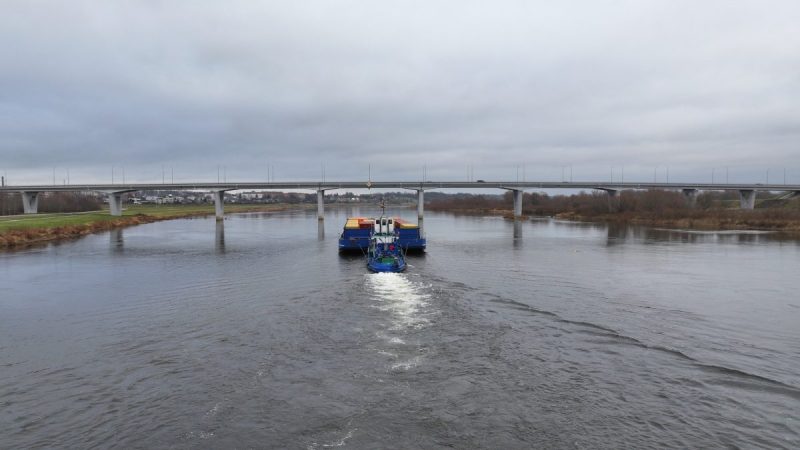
(357, 231)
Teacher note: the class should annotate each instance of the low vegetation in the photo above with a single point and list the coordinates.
(23, 230)
(712, 210)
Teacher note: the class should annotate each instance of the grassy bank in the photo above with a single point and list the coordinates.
(18, 231)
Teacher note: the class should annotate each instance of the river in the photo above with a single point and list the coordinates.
(256, 333)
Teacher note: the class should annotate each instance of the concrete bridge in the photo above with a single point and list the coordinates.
(747, 191)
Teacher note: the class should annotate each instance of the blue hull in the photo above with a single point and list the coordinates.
(355, 240)
(376, 266)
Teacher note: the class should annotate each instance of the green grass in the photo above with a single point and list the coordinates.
(48, 220)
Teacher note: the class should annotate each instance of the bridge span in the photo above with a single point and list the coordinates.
(747, 191)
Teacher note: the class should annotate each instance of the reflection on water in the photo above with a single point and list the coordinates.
(616, 234)
(623, 233)
(517, 233)
(116, 240)
(219, 243)
(320, 230)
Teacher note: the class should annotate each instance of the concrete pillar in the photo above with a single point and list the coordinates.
(30, 202)
(613, 200)
(320, 205)
(517, 203)
(115, 203)
(321, 230)
(219, 204)
(691, 196)
(747, 199)
(420, 203)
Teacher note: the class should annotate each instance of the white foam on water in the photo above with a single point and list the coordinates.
(213, 411)
(339, 443)
(404, 299)
(413, 362)
(199, 434)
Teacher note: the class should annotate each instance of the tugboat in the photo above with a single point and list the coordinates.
(384, 253)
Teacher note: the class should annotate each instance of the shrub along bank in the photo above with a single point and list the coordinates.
(712, 210)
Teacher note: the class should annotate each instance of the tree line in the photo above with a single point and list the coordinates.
(655, 203)
(53, 202)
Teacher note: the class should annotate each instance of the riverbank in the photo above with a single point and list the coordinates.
(26, 230)
(755, 220)
(786, 221)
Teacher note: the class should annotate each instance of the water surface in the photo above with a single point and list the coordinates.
(256, 333)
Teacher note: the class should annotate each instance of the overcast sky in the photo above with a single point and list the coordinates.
(193, 85)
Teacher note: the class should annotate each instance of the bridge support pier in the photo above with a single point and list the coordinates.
(420, 203)
(30, 202)
(518, 193)
(691, 196)
(320, 204)
(747, 199)
(613, 200)
(518, 203)
(115, 203)
(219, 204)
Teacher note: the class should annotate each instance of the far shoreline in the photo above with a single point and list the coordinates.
(716, 220)
(46, 228)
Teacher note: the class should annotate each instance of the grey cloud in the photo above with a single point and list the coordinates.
(90, 84)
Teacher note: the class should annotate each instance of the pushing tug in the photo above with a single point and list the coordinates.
(384, 253)
(357, 232)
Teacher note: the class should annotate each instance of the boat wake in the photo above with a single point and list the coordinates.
(404, 299)
(744, 379)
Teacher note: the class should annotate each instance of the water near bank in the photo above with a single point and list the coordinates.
(256, 333)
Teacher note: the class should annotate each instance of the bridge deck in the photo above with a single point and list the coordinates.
(400, 185)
